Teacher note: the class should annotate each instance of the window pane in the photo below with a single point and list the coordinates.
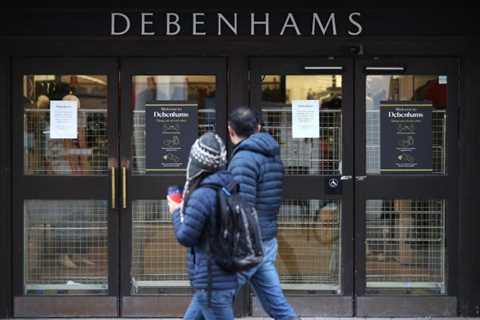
(308, 239)
(85, 155)
(309, 245)
(200, 89)
(158, 259)
(66, 247)
(405, 246)
(318, 156)
(418, 88)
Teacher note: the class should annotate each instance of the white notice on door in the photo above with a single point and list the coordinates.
(63, 119)
(305, 119)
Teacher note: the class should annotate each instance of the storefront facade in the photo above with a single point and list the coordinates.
(379, 214)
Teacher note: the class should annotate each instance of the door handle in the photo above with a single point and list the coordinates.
(385, 69)
(113, 169)
(124, 187)
(324, 68)
(112, 163)
(358, 178)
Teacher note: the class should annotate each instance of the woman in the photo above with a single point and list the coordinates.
(205, 166)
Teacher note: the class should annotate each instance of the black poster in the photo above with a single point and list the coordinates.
(405, 137)
(171, 129)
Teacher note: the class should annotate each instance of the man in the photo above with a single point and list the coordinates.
(255, 164)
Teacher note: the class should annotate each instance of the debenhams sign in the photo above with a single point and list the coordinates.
(234, 24)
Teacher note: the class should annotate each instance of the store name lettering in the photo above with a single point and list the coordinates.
(169, 114)
(198, 24)
(404, 115)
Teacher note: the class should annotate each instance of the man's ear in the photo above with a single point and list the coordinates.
(259, 127)
(231, 132)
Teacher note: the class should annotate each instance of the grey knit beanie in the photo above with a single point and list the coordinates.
(208, 154)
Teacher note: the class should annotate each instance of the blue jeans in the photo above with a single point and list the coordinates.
(221, 305)
(266, 283)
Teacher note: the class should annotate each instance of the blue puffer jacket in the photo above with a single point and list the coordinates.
(191, 233)
(256, 166)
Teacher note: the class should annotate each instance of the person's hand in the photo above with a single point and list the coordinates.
(172, 205)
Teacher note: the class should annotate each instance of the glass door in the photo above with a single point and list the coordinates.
(406, 193)
(166, 104)
(315, 220)
(65, 223)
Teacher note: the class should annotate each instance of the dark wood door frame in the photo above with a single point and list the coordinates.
(233, 69)
(420, 187)
(296, 186)
(173, 303)
(5, 189)
(60, 187)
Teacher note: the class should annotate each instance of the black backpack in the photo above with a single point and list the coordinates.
(234, 238)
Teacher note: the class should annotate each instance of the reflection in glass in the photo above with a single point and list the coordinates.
(200, 89)
(318, 156)
(405, 246)
(86, 155)
(65, 247)
(406, 88)
(309, 245)
(158, 261)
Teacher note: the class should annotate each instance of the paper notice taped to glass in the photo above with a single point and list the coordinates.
(63, 119)
(305, 119)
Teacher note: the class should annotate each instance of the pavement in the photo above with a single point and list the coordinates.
(263, 318)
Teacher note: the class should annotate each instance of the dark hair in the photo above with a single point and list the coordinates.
(244, 121)
(259, 116)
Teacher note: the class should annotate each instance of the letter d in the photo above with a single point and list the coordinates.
(113, 20)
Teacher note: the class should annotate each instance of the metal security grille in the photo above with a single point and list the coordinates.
(317, 156)
(405, 245)
(66, 249)
(206, 122)
(157, 258)
(309, 245)
(86, 155)
(439, 141)
(373, 142)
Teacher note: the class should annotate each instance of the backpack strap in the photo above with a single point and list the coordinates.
(233, 187)
(228, 190)
(215, 187)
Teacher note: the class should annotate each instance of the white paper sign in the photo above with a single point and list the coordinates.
(63, 119)
(305, 119)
